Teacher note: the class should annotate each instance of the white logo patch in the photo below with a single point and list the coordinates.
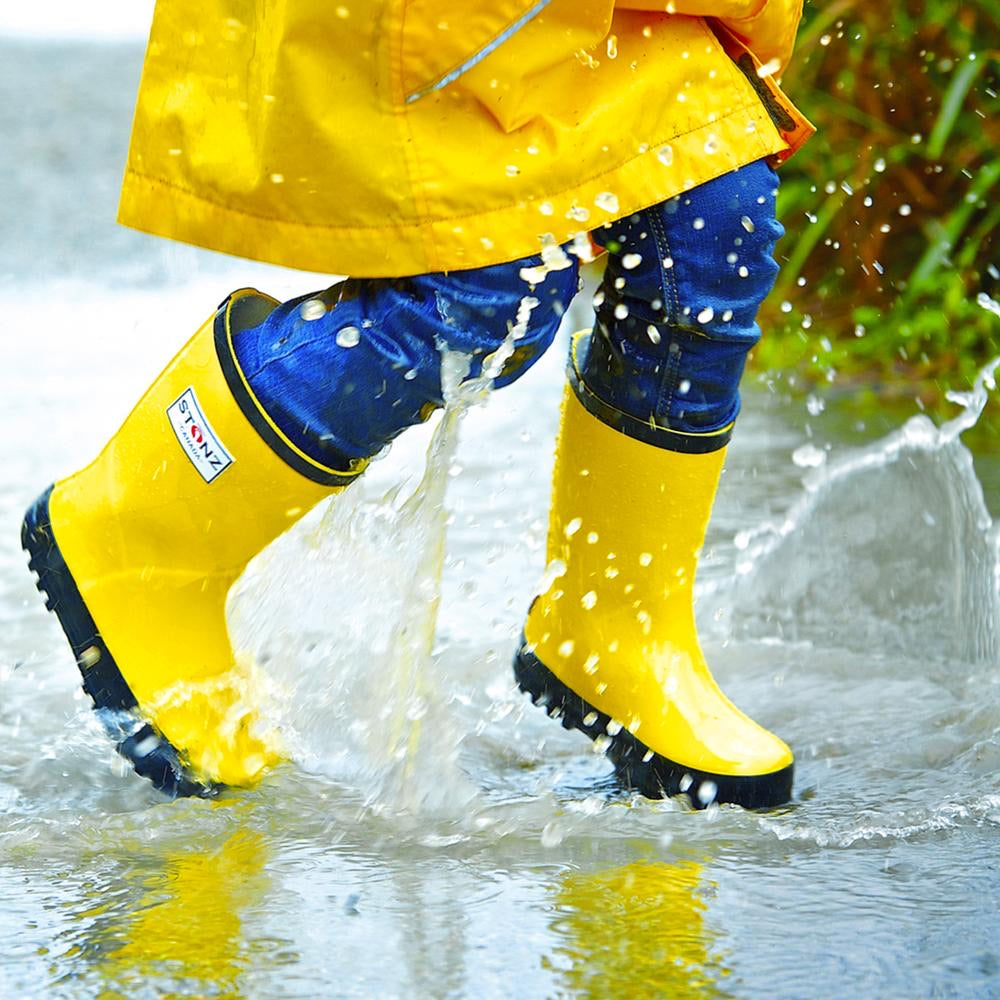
(197, 438)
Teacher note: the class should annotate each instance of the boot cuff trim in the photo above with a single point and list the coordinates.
(648, 431)
(248, 403)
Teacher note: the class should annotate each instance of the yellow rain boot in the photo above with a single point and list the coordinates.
(137, 553)
(611, 646)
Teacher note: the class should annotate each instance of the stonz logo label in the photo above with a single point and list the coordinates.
(196, 436)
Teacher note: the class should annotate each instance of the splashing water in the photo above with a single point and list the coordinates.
(891, 547)
(339, 620)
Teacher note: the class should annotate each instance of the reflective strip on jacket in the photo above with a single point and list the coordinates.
(390, 137)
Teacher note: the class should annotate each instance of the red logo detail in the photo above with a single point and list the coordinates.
(197, 434)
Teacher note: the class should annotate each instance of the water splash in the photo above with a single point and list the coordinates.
(890, 548)
(340, 619)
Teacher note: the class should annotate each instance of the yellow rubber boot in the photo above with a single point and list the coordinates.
(611, 646)
(138, 551)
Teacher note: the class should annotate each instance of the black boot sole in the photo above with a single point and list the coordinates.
(148, 751)
(637, 766)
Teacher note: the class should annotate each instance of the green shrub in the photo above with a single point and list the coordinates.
(892, 209)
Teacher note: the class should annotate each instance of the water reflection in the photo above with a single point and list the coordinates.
(435, 912)
(177, 924)
(636, 930)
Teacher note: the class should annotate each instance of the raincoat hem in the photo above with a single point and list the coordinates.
(502, 233)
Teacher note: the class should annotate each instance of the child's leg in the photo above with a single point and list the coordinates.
(344, 371)
(612, 643)
(676, 356)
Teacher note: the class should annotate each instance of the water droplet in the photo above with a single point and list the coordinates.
(905, 209)
(350, 336)
(747, 223)
(410, 375)
(825, 40)
(786, 306)
(707, 792)
(578, 213)
(653, 333)
(727, 316)
(712, 145)
(706, 315)
(814, 405)
(573, 527)
(277, 178)
(613, 728)
(612, 46)
(668, 262)
(89, 657)
(511, 170)
(590, 664)
(588, 600)
(743, 272)
(665, 154)
(631, 261)
(808, 456)
(698, 223)
(312, 309)
(546, 208)
(879, 165)
(645, 558)
(685, 387)
(621, 311)
(566, 648)
(590, 718)
(607, 201)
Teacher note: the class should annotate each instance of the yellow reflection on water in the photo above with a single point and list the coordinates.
(185, 935)
(637, 930)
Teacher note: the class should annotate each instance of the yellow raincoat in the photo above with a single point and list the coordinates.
(388, 137)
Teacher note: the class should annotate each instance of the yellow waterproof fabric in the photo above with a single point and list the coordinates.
(392, 137)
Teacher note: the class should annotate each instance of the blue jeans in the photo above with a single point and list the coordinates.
(344, 371)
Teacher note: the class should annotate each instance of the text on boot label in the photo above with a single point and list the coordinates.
(196, 436)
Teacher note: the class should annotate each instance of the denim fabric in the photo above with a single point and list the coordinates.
(347, 381)
(676, 309)
(680, 295)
